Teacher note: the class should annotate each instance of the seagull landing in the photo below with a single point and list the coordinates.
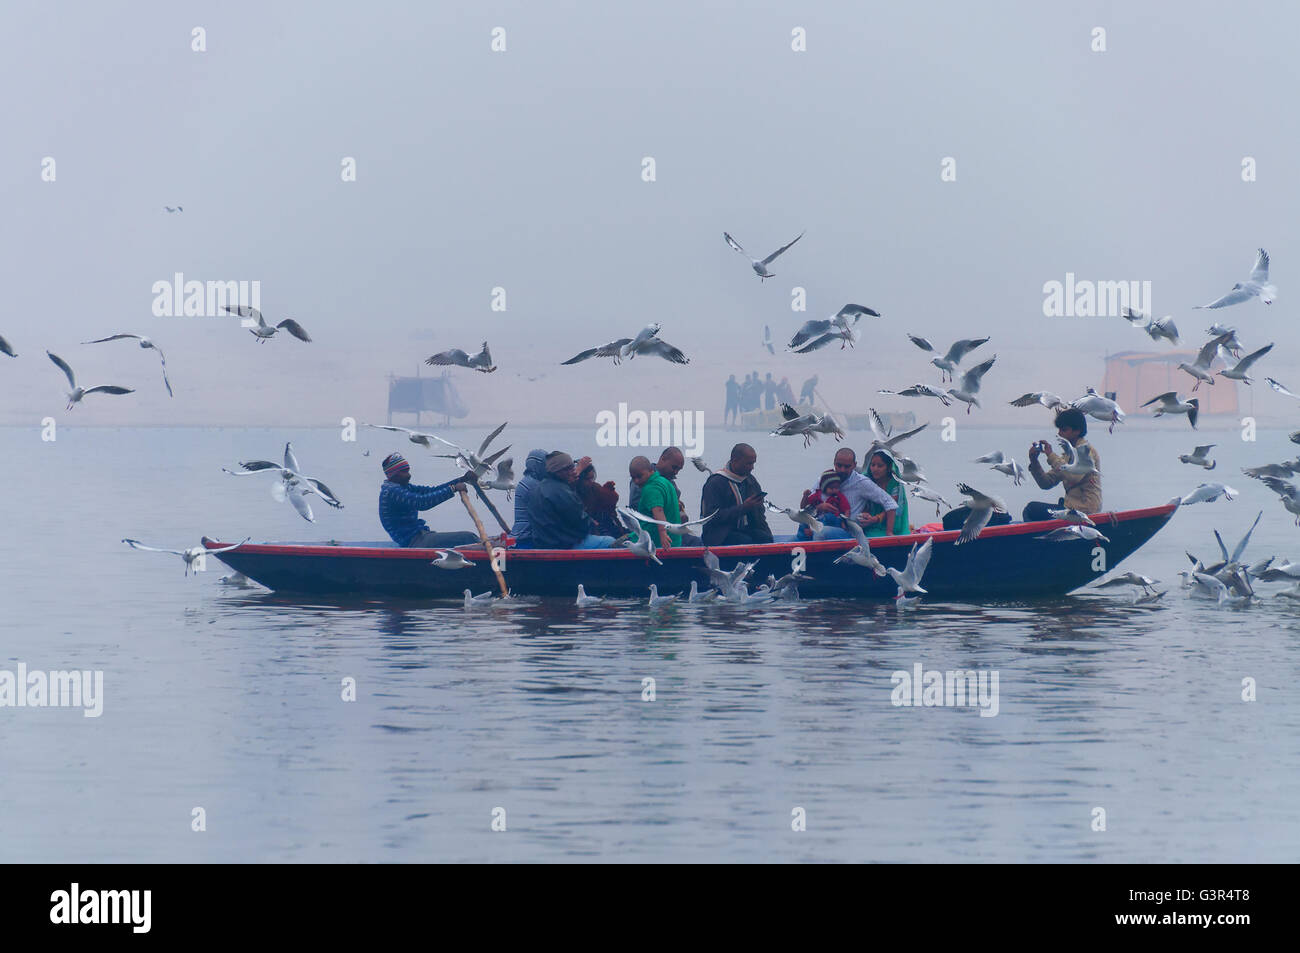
(192, 557)
(77, 393)
(262, 331)
(1256, 286)
(909, 580)
(948, 363)
(144, 343)
(293, 484)
(760, 266)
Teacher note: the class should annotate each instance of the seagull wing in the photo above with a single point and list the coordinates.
(256, 466)
(782, 250)
(1235, 296)
(62, 365)
(226, 549)
(963, 347)
(735, 244)
(6, 347)
(324, 492)
(136, 544)
(630, 521)
(482, 448)
(455, 357)
(920, 560)
(1249, 359)
(301, 505)
(1171, 397)
(1241, 546)
(855, 311)
(878, 428)
(290, 460)
(1202, 451)
(113, 337)
(1260, 272)
(244, 311)
(660, 348)
(970, 381)
(810, 330)
(976, 522)
(1208, 352)
(922, 343)
(789, 413)
(816, 344)
(1279, 388)
(294, 328)
(109, 389)
(897, 438)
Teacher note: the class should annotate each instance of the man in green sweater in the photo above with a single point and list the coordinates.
(658, 499)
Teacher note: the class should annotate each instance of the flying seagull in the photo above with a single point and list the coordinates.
(264, 330)
(919, 390)
(1255, 286)
(948, 363)
(767, 339)
(1200, 368)
(884, 438)
(144, 343)
(1280, 389)
(1128, 579)
(909, 580)
(1207, 493)
(450, 559)
(480, 462)
(760, 267)
(1171, 403)
(188, 556)
(624, 349)
(1199, 457)
(293, 485)
(1287, 492)
(970, 384)
(504, 479)
(179, 208)
(77, 393)
(982, 508)
(1065, 534)
(843, 321)
(1156, 328)
(1238, 372)
(925, 493)
(482, 361)
(1231, 344)
(1100, 408)
(1046, 398)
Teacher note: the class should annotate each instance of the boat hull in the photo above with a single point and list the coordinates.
(1005, 562)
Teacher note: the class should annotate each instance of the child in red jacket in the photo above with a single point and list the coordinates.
(828, 503)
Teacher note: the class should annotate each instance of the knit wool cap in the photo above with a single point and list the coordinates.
(395, 463)
(828, 477)
(558, 461)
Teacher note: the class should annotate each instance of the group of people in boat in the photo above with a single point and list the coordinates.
(560, 503)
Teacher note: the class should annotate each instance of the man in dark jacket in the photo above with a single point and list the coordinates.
(400, 503)
(736, 500)
(555, 512)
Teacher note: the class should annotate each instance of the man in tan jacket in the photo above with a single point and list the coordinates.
(1082, 493)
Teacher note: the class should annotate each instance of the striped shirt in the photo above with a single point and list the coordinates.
(399, 506)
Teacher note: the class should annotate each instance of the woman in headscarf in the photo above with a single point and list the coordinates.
(882, 469)
(600, 500)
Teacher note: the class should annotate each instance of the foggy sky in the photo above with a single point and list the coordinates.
(522, 169)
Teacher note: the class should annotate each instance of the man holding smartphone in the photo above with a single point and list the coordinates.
(733, 495)
(1082, 493)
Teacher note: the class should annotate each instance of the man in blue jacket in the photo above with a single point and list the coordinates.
(400, 503)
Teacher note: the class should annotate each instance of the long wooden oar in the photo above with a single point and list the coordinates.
(482, 535)
(495, 512)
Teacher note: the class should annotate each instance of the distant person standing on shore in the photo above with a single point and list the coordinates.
(809, 390)
(769, 393)
(784, 393)
(733, 400)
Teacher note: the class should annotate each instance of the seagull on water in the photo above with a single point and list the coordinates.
(1200, 457)
(1256, 286)
(1100, 408)
(482, 361)
(843, 321)
(982, 508)
(1238, 372)
(909, 580)
(263, 331)
(948, 363)
(188, 556)
(1171, 403)
(760, 266)
(77, 393)
(144, 343)
(6, 347)
(658, 600)
(728, 583)
(482, 599)
(787, 587)
(970, 384)
(450, 559)
(1148, 598)
(1157, 328)
(585, 601)
(293, 485)
(696, 597)
(920, 390)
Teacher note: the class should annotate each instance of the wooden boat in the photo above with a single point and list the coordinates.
(1005, 562)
